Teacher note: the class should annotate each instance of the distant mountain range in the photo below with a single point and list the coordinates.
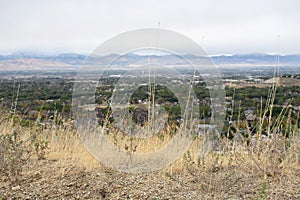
(257, 58)
(249, 58)
(36, 61)
(71, 58)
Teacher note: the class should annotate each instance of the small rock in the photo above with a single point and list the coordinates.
(16, 187)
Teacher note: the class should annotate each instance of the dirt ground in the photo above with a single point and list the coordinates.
(66, 179)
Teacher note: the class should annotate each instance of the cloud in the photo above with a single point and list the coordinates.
(230, 26)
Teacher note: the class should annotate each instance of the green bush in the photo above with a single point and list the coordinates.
(13, 154)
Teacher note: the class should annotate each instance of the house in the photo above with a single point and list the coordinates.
(272, 80)
(250, 116)
(201, 129)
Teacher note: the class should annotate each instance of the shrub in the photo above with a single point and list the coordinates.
(13, 154)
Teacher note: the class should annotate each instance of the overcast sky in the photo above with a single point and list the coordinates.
(220, 26)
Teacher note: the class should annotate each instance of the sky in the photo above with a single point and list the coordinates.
(219, 26)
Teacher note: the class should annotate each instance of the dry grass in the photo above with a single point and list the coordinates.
(257, 168)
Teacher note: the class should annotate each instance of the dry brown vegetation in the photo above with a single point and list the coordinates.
(282, 82)
(50, 162)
